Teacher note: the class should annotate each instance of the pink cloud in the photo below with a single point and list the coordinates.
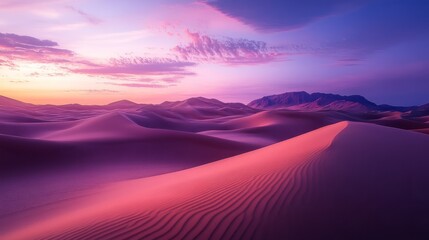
(13, 40)
(17, 47)
(203, 48)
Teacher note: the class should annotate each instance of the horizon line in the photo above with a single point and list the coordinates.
(210, 98)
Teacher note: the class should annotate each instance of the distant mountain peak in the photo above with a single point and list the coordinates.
(194, 102)
(203, 100)
(313, 101)
(122, 103)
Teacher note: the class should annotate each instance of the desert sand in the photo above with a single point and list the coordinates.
(213, 171)
(332, 182)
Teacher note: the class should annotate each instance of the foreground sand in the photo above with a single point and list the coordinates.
(343, 181)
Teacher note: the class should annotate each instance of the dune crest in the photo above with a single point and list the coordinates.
(109, 125)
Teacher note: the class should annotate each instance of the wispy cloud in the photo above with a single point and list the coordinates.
(202, 48)
(34, 74)
(67, 27)
(138, 66)
(19, 81)
(118, 37)
(56, 74)
(92, 90)
(6, 63)
(88, 17)
(138, 85)
(146, 82)
(348, 61)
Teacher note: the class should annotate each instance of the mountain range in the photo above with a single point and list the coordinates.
(322, 101)
(288, 100)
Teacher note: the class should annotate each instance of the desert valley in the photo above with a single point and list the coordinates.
(287, 166)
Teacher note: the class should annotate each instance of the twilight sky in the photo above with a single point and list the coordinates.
(99, 51)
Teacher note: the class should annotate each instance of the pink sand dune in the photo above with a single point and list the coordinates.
(344, 181)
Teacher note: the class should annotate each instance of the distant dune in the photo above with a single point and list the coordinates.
(269, 127)
(343, 181)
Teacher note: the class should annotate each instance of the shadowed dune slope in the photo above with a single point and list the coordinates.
(109, 139)
(343, 181)
(273, 126)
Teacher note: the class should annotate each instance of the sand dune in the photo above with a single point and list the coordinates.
(234, 121)
(273, 126)
(32, 129)
(113, 136)
(164, 119)
(68, 157)
(112, 125)
(66, 172)
(343, 181)
(109, 139)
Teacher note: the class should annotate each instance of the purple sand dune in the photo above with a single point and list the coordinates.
(54, 158)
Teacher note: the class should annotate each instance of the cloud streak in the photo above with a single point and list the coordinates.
(146, 82)
(88, 17)
(138, 85)
(202, 48)
(137, 66)
(17, 47)
(6, 63)
(93, 90)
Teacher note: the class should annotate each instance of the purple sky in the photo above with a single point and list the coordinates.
(98, 51)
